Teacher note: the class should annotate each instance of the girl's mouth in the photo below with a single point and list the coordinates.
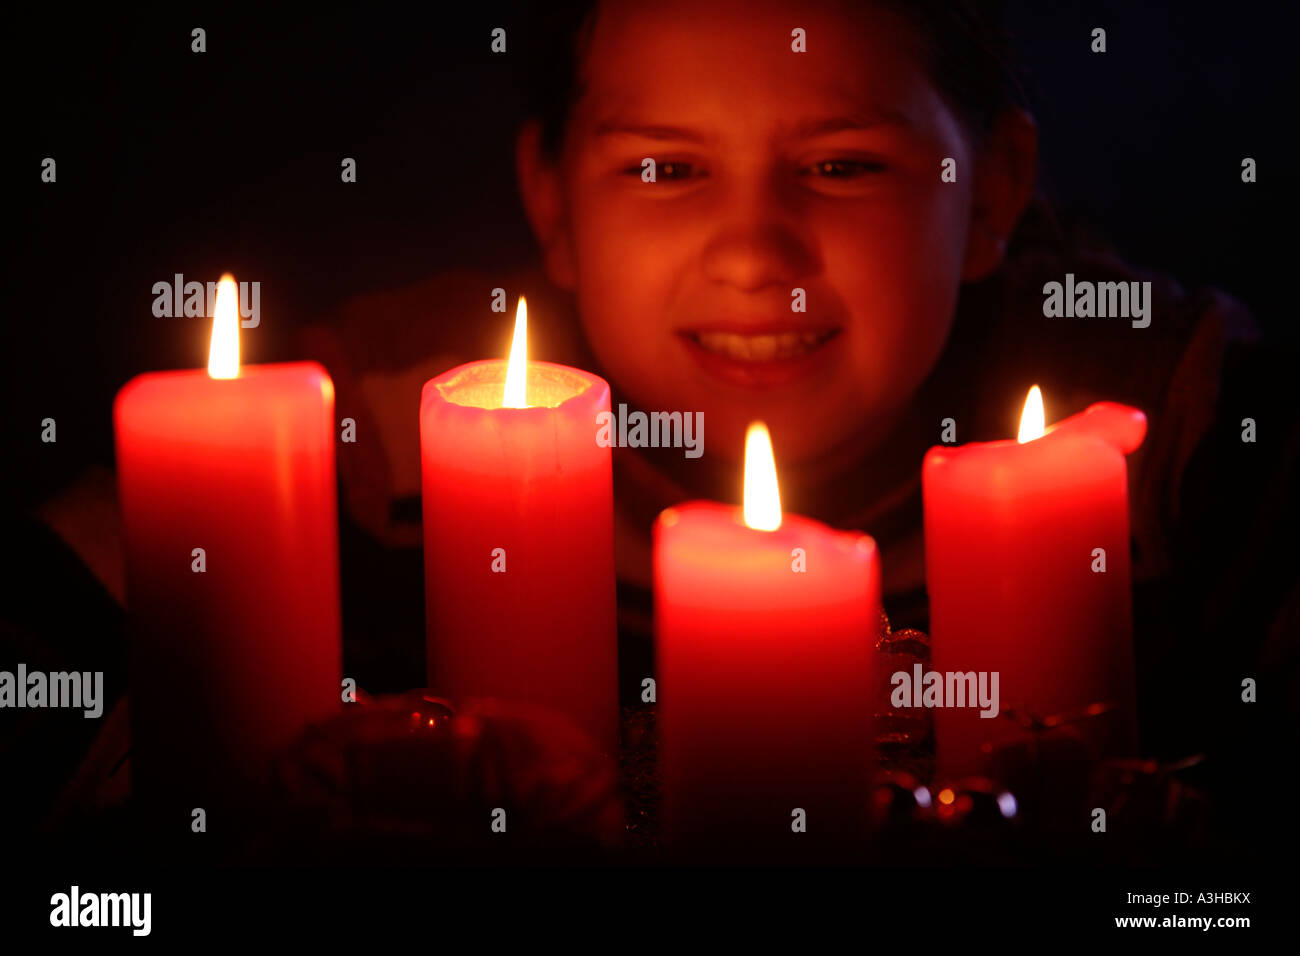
(751, 358)
(753, 347)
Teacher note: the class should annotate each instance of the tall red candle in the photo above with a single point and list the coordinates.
(1016, 533)
(227, 492)
(765, 629)
(519, 538)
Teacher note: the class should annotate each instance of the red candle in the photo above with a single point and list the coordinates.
(765, 629)
(1017, 534)
(227, 488)
(519, 537)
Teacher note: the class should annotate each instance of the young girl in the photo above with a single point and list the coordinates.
(862, 156)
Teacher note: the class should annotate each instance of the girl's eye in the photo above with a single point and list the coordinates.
(670, 171)
(844, 168)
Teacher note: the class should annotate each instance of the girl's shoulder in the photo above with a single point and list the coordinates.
(462, 314)
(1106, 330)
(1090, 326)
(380, 347)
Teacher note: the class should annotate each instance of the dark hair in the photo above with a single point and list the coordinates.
(968, 54)
(965, 41)
(555, 41)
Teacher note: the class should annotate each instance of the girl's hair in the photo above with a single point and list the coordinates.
(965, 43)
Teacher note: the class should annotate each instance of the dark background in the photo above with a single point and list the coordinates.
(170, 161)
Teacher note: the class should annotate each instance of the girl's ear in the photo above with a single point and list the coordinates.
(1004, 181)
(539, 187)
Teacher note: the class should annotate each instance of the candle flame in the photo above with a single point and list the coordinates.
(1032, 420)
(516, 392)
(762, 496)
(223, 353)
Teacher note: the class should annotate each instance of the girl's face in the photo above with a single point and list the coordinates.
(780, 178)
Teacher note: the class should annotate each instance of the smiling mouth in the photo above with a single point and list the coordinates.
(760, 346)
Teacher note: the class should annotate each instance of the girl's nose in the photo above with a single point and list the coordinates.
(758, 242)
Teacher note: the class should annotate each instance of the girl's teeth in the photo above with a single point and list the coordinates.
(760, 348)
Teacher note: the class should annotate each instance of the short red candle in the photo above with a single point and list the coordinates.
(1010, 531)
(227, 664)
(519, 542)
(764, 674)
